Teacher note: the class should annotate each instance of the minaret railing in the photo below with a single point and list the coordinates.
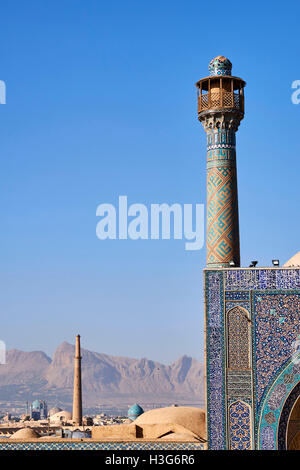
(220, 99)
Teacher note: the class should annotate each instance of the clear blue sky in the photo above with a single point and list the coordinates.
(101, 102)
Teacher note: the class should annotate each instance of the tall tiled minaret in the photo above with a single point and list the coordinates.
(220, 110)
(77, 393)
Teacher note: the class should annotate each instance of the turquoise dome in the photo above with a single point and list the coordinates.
(220, 66)
(135, 411)
(36, 404)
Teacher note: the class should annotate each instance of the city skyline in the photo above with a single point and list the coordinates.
(110, 108)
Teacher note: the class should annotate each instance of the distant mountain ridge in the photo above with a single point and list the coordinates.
(109, 380)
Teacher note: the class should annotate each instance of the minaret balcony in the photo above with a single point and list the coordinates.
(217, 93)
(219, 100)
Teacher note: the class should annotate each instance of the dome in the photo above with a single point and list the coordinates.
(135, 411)
(36, 404)
(54, 410)
(220, 66)
(25, 433)
(193, 419)
(293, 261)
(61, 416)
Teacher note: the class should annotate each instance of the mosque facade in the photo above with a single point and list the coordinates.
(252, 365)
(38, 410)
(252, 333)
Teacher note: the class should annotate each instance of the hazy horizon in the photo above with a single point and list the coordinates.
(50, 355)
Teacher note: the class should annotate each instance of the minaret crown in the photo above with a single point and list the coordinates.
(220, 66)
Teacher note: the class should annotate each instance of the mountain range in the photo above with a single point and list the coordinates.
(108, 381)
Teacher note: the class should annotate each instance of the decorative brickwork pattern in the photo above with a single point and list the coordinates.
(215, 367)
(277, 320)
(100, 446)
(240, 426)
(222, 204)
(238, 339)
(271, 298)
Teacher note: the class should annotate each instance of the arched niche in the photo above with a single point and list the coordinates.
(240, 426)
(238, 339)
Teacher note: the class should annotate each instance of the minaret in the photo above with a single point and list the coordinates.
(77, 393)
(220, 110)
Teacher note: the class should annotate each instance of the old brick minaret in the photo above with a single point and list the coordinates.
(77, 393)
(220, 110)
